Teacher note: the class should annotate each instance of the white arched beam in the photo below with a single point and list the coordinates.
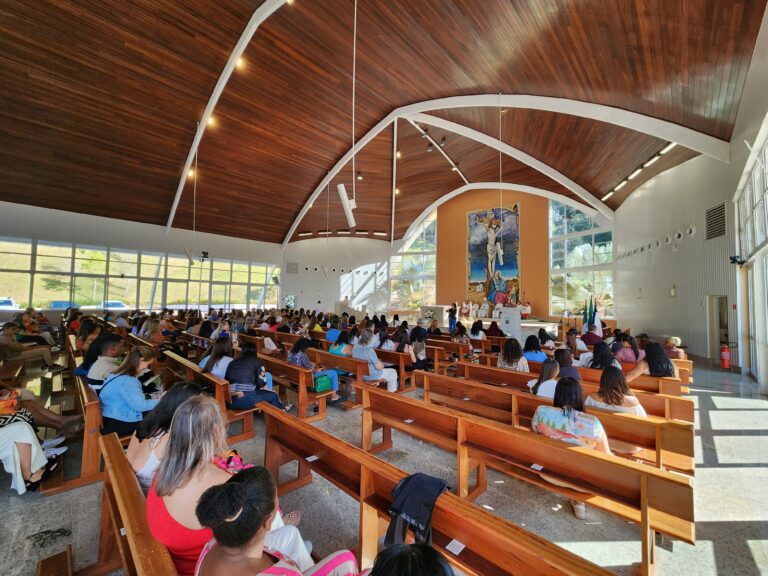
(662, 129)
(517, 154)
(260, 15)
(601, 219)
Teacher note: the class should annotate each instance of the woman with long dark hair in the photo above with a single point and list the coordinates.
(511, 357)
(656, 363)
(565, 360)
(217, 358)
(532, 350)
(630, 351)
(600, 358)
(546, 383)
(614, 394)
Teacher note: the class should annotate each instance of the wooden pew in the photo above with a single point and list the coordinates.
(684, 369)
(125, 541)
(11, 373)
(400, 361)
(670, 386)
(451, 352)
(662, 405)
(657, 500)
(177, 369)
(197, 345)
(663, 443)
(300, 381)
(494, 546)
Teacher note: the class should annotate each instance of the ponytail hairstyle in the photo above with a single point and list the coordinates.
(240, 508)
(549, 371)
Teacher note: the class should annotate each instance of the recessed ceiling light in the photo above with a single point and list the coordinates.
(604, 198)
(191, 173)
(311, 204)
(240, 63)
(620, 186)
(359, 176)
(399, 155)
(634, 174)
(652, 161)
(305, 234)
(211, 121)
(668, 147)
(397, 190)
(379, 233)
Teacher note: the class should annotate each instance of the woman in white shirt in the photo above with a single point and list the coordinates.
(574, 344)
(546, 383)
(614, 394)
(511, 357)
(217, 361)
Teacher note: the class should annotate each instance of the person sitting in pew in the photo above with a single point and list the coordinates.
(615, 336)
(565, 361)
(532, 350)
(656, 363)
(434, 328)
(419, 348)
(385, 342)
(148, 443)
(566, 420)
(574, 343)
(10, 349)
(460, 334)
(23, 457)
(333, 332)
(103, 358)
(206, 329)
(222, 330)
(217, 358)
(249, 382)
(342, 346)
(546, 340)
(197, 435)
(21, 405)
(402, 559)
(240, 513)
(614, 394)
(630, 351)
(511, 357)
(298, 357)
(591, 337)
(88, 332)
(600, 358)
(122, 397)
(544, 386)
(376, 369)
(671, 347)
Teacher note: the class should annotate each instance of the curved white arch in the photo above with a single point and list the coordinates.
(259, 15)
(601, 219)
(662, 129)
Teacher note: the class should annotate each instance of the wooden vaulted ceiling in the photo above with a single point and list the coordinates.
(101, 99)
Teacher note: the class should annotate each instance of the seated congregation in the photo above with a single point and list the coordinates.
(176, 427)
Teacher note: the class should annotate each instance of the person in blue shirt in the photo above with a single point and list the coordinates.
(532, 350)
(376, 370)
(122, 399)
(333, 332)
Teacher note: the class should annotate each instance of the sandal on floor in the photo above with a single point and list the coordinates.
(288, 407)
(292, 518)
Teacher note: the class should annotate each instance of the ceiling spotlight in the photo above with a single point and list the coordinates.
(399, 155)
(289, 2)
(397, 190)
(211, 121)
(240, 63)
(359, 176)
(620, 186)
(442, 142)
(311, 204)
(191, 173)
(634, 174)
(455, 167)
(429, 147)
(604, 198)
(651, 161)
(668, 147)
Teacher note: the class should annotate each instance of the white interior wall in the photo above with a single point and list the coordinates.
(19, 220)
(331, 269)
(698, 268)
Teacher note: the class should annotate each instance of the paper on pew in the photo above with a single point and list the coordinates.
(455, 547)
(312, 458)
(537, 467)
(408, 421)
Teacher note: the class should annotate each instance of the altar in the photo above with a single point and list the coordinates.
(438, 312)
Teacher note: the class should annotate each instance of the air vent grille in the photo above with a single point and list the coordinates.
(715, 221)
(292, 268)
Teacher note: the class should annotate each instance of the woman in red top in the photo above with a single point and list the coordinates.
(197, 435)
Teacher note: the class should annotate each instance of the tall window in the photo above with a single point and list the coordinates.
(580, 262)
(58, 275)
(752, 212)
(412, 270)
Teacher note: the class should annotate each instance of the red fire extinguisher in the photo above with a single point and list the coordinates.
(725, 357)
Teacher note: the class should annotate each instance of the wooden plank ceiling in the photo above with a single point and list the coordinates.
(100, 100)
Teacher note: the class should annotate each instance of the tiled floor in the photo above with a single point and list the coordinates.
(730, 491)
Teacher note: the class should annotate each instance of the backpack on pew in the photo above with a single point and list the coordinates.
(413, 500)
(322, 383)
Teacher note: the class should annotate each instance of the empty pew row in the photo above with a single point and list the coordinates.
(493, 546)
(656, 500)
(663, 405)
(653, 440)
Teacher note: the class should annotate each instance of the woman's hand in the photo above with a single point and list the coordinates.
(379, 365)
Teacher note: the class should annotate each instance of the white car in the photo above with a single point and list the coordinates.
(8, 304)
